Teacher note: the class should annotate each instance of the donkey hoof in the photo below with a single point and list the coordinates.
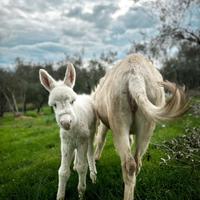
(60, 198)
(93, 177)
(81, 196)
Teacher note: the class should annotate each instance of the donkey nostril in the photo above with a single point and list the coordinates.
(65, 125)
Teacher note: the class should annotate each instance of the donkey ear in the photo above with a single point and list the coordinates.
(46, 80)
(70, 76)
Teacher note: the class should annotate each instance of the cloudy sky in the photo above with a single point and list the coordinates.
(47, 30)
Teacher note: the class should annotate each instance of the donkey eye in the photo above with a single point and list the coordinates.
(72, 101)
(54, 105)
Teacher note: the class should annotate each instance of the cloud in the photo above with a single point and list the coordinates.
(191, 18)
(139, 17)
(44, 31)
(100, 15)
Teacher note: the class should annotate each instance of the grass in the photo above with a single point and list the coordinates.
(30, 158)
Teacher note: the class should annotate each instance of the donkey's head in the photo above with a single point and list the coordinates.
(61, 96)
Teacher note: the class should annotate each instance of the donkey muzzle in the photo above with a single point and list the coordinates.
(66, 122)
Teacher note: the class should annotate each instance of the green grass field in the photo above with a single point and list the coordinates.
(30, 158)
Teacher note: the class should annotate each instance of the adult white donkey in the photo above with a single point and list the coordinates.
(130, 99)
(77, 121)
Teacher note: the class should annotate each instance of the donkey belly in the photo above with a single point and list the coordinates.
(103, 115)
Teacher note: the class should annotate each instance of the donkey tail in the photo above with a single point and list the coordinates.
(176, 106)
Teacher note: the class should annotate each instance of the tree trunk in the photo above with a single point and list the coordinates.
(2, 104)
(1, 113)
(9, 102)
(38, 109)
(15, 102)
(24, 103)
(40, 106)
(16, 110)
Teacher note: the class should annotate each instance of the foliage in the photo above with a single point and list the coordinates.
(22, 87)
(175, 27)
(195, 109)
(172, 15)
(185, 68)
(184, 149)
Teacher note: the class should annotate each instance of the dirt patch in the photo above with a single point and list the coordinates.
(23, 117)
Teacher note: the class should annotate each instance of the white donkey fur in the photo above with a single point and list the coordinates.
(130, 99)
(77, 121)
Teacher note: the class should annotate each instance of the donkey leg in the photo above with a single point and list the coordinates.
(75, 160)
(82, 167)
(131, 139)
(91, 160)
(144, 131)
(123, 147)
(100, 140)
(64, 170)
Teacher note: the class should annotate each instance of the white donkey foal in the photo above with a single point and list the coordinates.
(77, 121)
